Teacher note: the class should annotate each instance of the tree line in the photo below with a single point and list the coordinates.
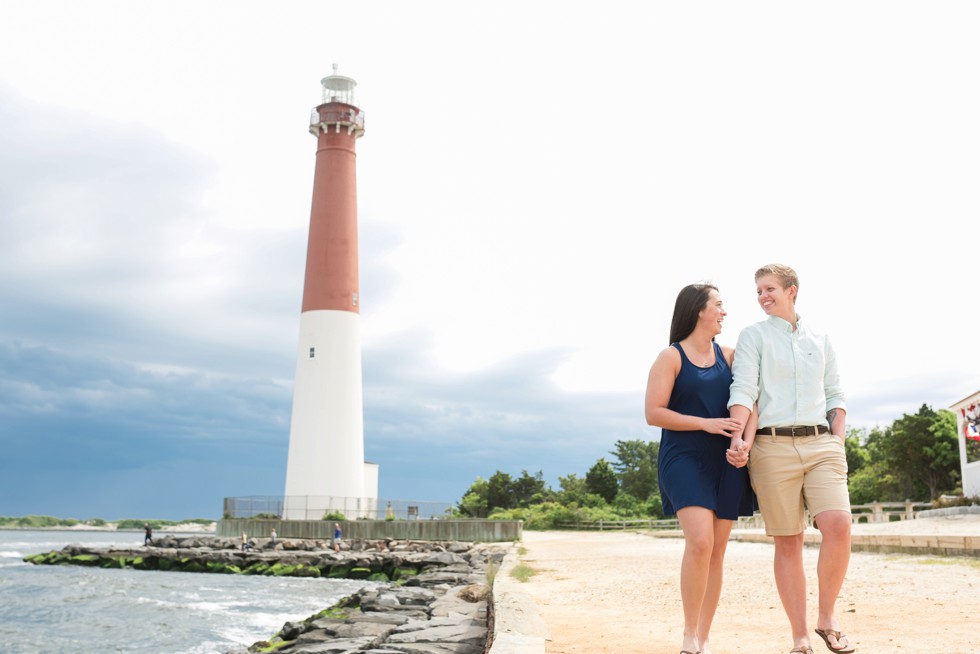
(47, 522)
(916, 458)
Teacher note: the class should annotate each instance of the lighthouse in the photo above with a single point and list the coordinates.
(325, 469)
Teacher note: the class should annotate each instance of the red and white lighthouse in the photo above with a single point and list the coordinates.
(326, 471)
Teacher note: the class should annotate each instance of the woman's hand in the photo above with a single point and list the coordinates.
(738, 452)
(722, 426)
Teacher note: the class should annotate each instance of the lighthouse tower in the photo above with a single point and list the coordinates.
(326, 471)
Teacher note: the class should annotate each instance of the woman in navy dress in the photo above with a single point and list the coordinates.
(704, 484)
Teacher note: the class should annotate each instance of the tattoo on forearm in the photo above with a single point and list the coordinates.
(830, 417)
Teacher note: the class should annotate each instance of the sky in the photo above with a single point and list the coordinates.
(536, 183)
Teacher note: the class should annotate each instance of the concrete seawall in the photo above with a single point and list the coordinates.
(475, 531)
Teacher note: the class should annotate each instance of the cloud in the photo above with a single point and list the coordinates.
(154, 231)
(437, 430)
(81, 433)
(108, 242)
(77, 426)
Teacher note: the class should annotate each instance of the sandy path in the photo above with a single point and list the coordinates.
(617, 593)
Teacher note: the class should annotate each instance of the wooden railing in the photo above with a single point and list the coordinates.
(603, 525)
(745, 522)
(870, 513)
(886, 511)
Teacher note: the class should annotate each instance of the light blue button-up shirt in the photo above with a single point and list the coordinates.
(792, 374)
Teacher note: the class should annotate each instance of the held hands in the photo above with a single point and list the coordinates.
(738, 453)
(722, 426)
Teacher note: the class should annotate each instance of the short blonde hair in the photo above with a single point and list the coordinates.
(786, 275)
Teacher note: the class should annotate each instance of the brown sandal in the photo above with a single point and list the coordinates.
(827, 633)
(802, 650)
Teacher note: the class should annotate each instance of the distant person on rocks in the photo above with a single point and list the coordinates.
(797, 453)
(147, 534)
(336, 537)
(702, 480)
(246, 545)
(273, 535)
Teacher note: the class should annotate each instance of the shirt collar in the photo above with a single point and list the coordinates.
(784, 326)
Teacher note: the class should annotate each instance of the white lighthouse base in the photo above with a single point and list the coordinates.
(325, 470)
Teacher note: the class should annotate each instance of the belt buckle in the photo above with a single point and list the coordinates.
(803, 431)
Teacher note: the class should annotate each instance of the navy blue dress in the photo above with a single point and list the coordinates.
(692, 468)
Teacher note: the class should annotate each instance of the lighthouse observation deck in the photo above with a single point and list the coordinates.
(337, 108)
(337, 116)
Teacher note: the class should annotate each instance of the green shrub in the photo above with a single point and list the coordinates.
(655, 507)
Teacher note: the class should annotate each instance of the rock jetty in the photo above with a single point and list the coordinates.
(434, 597)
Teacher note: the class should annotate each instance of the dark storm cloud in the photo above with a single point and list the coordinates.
(90, 214)
(79, 431)
(122, 395)
(439, 430)
(75, 426)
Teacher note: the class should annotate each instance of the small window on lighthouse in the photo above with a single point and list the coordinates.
(312, 352)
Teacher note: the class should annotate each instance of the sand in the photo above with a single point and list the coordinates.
(617, 593)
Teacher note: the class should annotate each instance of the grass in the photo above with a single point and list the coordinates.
(522, 572)
(973, 563)
(924, 559)
(492, 569)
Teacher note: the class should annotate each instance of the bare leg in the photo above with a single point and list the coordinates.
(712, 593)
(835, 554)
(791, 584)
(697, 523)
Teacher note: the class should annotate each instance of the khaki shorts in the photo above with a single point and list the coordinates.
(787, 471)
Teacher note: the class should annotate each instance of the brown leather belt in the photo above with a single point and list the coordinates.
(808, 430)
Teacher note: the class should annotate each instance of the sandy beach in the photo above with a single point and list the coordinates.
(617, 593)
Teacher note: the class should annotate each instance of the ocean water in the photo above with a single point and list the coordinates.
(75, 610)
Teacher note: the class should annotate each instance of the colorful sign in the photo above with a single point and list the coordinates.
(971, 431)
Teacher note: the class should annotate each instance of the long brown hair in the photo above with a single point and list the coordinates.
(690, 301)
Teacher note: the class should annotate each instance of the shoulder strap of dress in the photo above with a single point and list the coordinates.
(681, 350)
(720, 354)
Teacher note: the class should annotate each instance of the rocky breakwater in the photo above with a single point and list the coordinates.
(432, 597)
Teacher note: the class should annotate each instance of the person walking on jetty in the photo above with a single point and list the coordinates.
(147, 534)
(336, 537)
(797, 453)
(700, 481)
